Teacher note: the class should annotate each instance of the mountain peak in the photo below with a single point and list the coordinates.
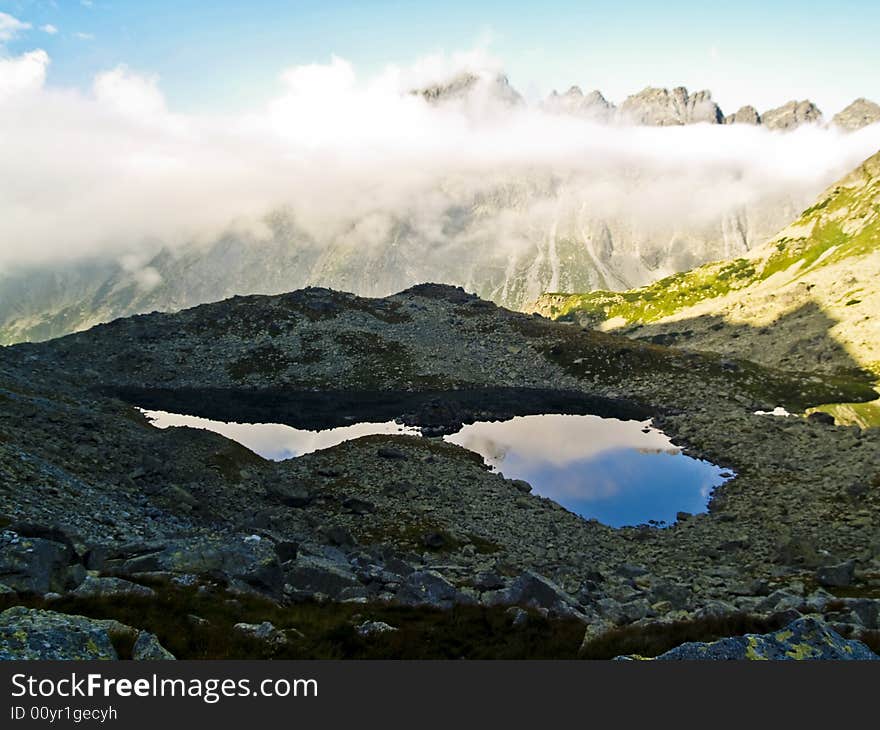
(792, 114)
(744, 115)
(860, 113)
(663, 107)
(591, 106)
(468, 84)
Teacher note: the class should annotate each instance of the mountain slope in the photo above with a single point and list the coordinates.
(807, 299)
(508, 241)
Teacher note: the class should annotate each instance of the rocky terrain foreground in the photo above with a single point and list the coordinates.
(405, 545)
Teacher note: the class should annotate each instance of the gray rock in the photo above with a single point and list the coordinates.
(265, 632)
(387, 452)
(826, 419)
(34, 634)
(93, 587)
(862, 612)
(715, 609)
(535, 591)
(488, 581)
(629, 570)
(636, 610)
(779, 600)
(313, 574)
(290, 495)
(677, 594)
(427, 588)
(147, 648)
(596, 629)
(253, 563)
(805, 638)
(374, 628)
(836, 576)
(37, 565)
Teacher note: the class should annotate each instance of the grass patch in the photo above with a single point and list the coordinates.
(329, 630)
(864, 415)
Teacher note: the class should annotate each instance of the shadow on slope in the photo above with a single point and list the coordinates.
(799, 340)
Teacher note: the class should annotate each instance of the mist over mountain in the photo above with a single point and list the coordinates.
(804, 300)
(372, 185)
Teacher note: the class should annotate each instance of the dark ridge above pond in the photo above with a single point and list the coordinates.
(440, 411)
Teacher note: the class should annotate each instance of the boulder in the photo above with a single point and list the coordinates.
(427, 588)
(596, 629)
(315, 575)
(147, 648)
(826, 419)
(265, 632)
(38, 565)
(252, 563)
(388, 452)
(93, 587)
(836, 576)
(804, 638)
(35, 634)
(488, 581)
(290, 495)
(677, 594)
(535, 591)
(374, 628)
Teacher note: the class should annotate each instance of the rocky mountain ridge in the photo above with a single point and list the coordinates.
(672, 107)
(652, 106)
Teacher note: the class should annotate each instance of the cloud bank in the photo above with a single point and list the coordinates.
(115, 172)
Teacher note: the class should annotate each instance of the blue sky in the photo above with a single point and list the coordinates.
(221, 54)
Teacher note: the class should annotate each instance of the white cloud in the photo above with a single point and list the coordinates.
(129, 93)
(49, 28)
(11, 27)
(25, 73)
(103, 171)
(84, 36)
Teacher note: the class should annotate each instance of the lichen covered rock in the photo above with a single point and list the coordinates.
(34, 634)
(805, 638)
(30, 633)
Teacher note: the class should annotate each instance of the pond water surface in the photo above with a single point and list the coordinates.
(618, 472)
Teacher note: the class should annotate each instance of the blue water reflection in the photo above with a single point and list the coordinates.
(618, 472)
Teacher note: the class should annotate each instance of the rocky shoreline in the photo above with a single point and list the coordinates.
(92, 494)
